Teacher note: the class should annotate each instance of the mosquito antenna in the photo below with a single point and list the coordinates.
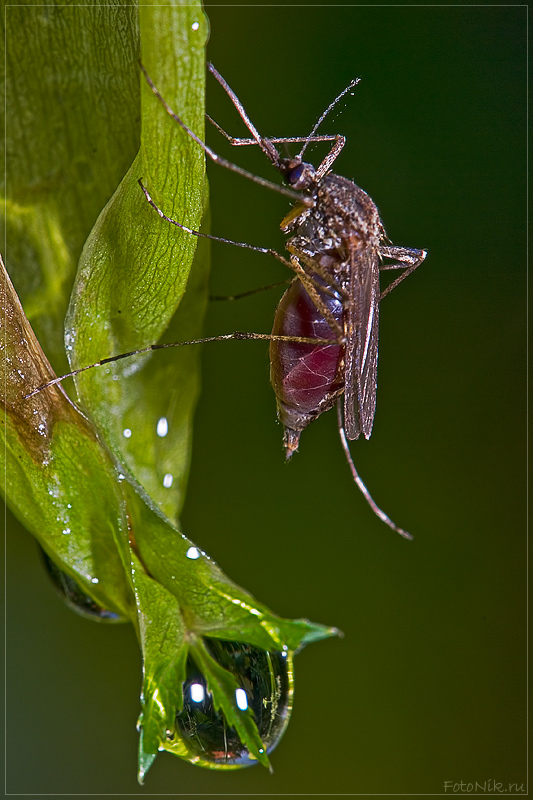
(360, 485)
(326, 112)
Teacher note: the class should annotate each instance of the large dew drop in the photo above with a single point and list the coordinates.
(265, 680)
(74, 596)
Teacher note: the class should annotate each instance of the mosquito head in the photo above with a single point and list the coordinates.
(297, 173)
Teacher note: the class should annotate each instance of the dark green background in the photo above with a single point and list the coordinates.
(428, 684)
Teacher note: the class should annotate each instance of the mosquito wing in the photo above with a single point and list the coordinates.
(361, 331)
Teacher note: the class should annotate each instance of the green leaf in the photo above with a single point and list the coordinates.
(134, 270)
(60, 482)
(63, 472)
(72, 99)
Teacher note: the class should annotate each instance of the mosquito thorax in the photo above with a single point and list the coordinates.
(344, 219)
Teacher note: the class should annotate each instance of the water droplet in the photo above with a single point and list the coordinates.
(241, 698)
(95, 580)
(162, 427)
(168, 480)
(193, 553)
(74, 596)
(195, 26)
(66, 530)
(197, 692)
(265, 680)
(126, 433)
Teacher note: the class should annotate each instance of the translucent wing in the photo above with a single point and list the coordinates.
(361, 331)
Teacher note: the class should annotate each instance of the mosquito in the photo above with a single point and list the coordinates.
(324, 342)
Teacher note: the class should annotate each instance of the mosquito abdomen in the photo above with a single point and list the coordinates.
(306, 378)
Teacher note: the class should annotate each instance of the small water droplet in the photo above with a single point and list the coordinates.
(66, 530)
(193, 553)
(197, 692)
(168, 480)
(95, 580)
(242, 699)
(265, 680)
(126, 433)
(195, 26)
(162, 427)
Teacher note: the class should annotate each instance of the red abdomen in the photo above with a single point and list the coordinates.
(306, 378)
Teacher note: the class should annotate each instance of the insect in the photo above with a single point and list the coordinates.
(324, 343)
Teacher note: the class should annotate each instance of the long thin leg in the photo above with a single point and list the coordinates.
(339, 142)
(237, 336)
(360, 485)
(293, 264)
(239, 142)
(222, 161)
(250, 292)
(409, 258)
(330, 158)
(309, 286)
(266, 144)
(268, 149)
(266, 250)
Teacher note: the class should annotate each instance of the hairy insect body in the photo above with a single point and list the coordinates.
(336, 241)
(342, 218)
(324, 345)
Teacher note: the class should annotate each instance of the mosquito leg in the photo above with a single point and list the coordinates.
(360, 485)
(267, 144)
(237, 336)
(322, 168)
(331, 287)
(313, 293)
(239, 142)
(408, 258)
(268, 149)
(285, 190)
(266, 250)
(217, 297)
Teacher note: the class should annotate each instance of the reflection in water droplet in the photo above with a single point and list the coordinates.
(73, 594)
(162, 427)
(126, 433)
(193, 553)
(168, 480)
(265, 680)
(242, 700)
(197, 692)
(195, 26)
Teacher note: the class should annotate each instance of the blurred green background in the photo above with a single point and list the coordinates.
(428, 684)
